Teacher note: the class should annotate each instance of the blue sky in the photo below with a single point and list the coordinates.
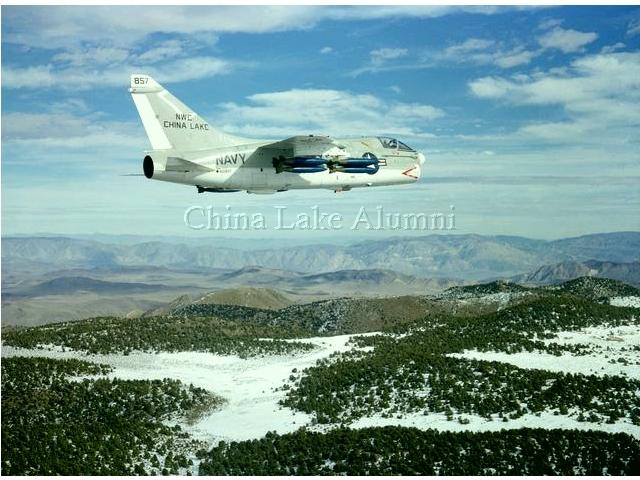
(529, 117)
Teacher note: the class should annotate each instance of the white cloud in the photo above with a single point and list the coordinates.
(598, 93)
(382, 59)
(472, 50)
(470, 45)
(612, 48)
(163, 51)
(45, 131)
(553, 131)
(567, 41)
(550, 23)
(613, 75)
(490, 87)
(514, 58)
(69, 27)
(67, 129)
(109, 39)
(72, 26)
(415, 111)
(633, 28)
(382, 55)
(334, 112)
(191, 68)
(88, 66)
(482, 51)
(21, 126)
(27, 77)
(69, 105)
(419, 11)
(326, 50)
(79, 149)
(76, 77)
(94, 56)
(477, 51)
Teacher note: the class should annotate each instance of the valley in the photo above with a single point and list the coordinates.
(493, 364)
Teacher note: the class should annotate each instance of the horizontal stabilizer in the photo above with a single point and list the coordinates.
(176, 164)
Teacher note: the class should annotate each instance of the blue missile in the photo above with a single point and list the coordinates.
(369, 170)
(367, 164)
(306, 162)
(358, 162)
(304, 169)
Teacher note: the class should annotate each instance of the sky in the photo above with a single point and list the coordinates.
(529, 117)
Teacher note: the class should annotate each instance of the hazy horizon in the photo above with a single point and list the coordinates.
(287, 241)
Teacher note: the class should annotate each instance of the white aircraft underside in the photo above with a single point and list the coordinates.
(187, 150)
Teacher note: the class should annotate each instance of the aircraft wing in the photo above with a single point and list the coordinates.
(304, 145)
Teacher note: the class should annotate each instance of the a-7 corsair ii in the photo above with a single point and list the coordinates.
(187, 150)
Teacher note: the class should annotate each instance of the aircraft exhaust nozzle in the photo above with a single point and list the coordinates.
(159, 166)
(147, 166)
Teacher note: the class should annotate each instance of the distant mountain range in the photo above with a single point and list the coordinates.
(464, 257)
(46, 279)
(560, 272)
(70, 285)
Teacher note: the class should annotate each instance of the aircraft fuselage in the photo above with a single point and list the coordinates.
(250, 167)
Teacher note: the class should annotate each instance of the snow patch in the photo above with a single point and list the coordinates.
(609, 344)
(630, 301)
(248, 385)
(546, 419)
(566, 363)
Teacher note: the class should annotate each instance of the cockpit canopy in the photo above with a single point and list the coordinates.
(394, 144)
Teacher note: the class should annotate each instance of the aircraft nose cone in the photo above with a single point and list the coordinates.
(421, 158)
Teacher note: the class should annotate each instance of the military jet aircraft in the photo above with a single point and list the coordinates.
(187, 150)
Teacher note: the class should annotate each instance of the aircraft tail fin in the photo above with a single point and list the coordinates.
(169, 123)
